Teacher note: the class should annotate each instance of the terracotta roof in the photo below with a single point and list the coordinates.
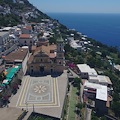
(28, 27)
(45, 49)
(32, 23)
(30, 59)
(33, 47)
(17, 55)
(52, 55)
(53, 47)
(25, 36)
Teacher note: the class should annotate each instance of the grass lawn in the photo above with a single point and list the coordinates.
(72, 107)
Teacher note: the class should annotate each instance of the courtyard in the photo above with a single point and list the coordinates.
(44, 95)
(38, 92)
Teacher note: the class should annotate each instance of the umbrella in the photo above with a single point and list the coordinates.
(5, 81)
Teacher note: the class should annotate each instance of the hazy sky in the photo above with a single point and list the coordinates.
(78, 6)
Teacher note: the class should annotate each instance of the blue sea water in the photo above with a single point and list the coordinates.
(101, 27)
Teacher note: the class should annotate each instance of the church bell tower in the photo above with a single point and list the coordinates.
(60, 54)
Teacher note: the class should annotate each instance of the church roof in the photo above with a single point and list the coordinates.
(45, 49)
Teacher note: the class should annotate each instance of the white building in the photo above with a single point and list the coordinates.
(4, 38)
(74, 45)
(85, 71)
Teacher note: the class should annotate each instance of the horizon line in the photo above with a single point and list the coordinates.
(82, 12)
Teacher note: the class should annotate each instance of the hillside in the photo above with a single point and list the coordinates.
(96, 55)
(11, 12)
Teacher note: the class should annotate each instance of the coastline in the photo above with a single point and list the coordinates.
(104, 31)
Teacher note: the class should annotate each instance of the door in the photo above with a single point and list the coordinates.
(41, 69)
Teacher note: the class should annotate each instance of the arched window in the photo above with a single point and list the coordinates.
(25, 42)
(60, 62)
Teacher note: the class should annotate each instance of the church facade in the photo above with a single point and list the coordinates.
(45, 58)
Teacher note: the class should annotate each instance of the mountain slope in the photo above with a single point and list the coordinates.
(11, 12)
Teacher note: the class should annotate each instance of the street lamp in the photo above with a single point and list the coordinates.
(26, 106)
(33, 108)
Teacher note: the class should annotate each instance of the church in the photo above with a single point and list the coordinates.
(46, 58)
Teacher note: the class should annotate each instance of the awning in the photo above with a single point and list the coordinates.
(10, 75)
(9, 79)
(8, 69)
(6, 83)
(14, 70)
(2, 85)
(3, 56)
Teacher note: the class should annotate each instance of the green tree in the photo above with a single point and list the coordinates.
(103, 118)
(103, 54)
(116, 108)
(116, 97)
(79, 105)
(77, 80)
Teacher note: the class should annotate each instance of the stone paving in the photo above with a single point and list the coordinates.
(39, 91)
(44, 95)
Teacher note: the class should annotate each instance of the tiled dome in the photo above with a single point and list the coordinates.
(42, 39)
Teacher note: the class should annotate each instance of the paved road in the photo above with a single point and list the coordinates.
(10, 113)
(81, 92)
(88, 114)
(8, 50)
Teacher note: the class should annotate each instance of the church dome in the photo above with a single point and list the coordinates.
(42, 39)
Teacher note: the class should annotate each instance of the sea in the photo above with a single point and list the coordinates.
(102, 27)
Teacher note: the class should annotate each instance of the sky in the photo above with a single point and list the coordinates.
(77, 6)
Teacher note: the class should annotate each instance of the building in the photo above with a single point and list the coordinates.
(85, 71)
(74, 45)
(91, 75)
(99, 94)
(26, 40)
(117, 67)
(2, 68)
(4, 38)
(19, 56)
(26, 30)
(45, 58)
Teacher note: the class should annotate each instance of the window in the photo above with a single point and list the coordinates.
(54, 60)
(60, 62)
(41, 60)
(31, 69)
(60, 55)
